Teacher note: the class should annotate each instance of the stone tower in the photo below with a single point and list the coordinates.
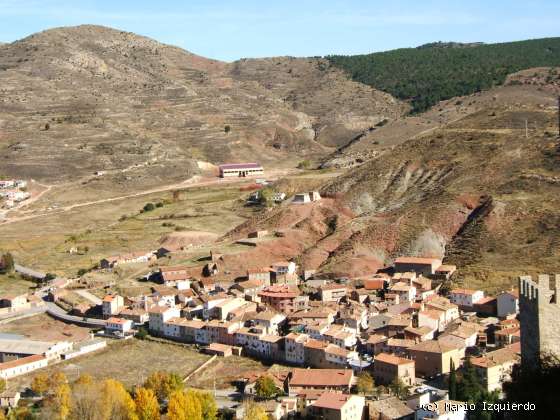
(539, 315)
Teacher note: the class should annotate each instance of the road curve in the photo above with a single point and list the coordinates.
(57, 312)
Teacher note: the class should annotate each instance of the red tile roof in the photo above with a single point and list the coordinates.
(251, 165)
(279, 291)
(120, 321)
(446, 268)
(378, 284)
(464, 291)
(392, 359)
(415, 260)
(21, 361)
(332, 400)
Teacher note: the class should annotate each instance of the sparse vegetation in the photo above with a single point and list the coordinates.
(304, 164)
(148, 207)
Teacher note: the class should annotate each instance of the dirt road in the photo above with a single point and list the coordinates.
(195, 181)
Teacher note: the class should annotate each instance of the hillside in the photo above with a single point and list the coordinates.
(340, 109)
(475, 191)
(424, 76)
(81, 99)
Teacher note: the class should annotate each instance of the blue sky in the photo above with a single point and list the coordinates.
(229, 30)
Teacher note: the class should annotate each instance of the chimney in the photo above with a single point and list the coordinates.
(544, 281)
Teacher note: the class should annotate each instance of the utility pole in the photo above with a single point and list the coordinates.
(558, 116)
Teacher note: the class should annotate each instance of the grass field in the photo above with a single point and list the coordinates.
(129, 361)
(223, 371)
(13, 284)
(119, 227)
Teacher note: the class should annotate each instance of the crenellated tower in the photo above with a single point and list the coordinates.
(539, 315)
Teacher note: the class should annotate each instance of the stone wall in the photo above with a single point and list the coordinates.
(539, 315)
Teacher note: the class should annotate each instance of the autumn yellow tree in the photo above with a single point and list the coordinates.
(84, 379)
(116, 402)
(40, 384)
(147, 407)
(56, 379)
(254, 411)
(164, 384)
(62, 401)
(184, 406)
(208, 407)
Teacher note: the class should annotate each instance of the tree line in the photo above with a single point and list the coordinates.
(424, 76)
(162, 395)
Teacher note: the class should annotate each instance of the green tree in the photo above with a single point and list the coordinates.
(365, 384)
(227, 129)
(471, 389)
(435, 72)
(142, 333)
(452, 382)
(399, 389)
(266, 197)
(265, 387)
(148, 207)
(6, 263)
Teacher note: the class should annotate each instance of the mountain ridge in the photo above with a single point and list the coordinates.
(93, 98)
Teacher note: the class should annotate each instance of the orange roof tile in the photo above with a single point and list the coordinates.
(415, 260)
(332, 400)
(392, 359)
(21, 361)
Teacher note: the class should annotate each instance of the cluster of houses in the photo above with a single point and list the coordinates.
(13, 191)
(19, 356)
(396, 324)
(13, 303)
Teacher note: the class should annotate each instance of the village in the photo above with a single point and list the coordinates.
(407, 327)
(13, 192)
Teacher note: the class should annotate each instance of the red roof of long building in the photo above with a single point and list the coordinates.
(251, 165)
(415, 260)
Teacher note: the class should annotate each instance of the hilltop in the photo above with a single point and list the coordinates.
(438, 71)
(82, 99)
